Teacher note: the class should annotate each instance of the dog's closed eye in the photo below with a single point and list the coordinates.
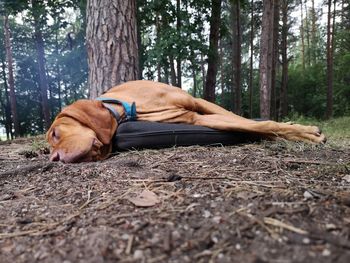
(55, 134)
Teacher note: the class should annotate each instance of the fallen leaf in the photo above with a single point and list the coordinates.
(144, 199)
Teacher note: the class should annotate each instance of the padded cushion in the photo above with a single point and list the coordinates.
(144, 134)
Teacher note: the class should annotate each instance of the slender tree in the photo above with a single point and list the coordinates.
(178, 30)
(215, 18)
(11, 82)
(5, 101)
(236, 55)
(284, 55)
(38, 14)
(266, 53)
(111, 38)
(302, 35)
(330, 53)
(251, 73)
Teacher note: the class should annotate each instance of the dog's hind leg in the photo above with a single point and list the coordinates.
(206, 107)
(269, 129)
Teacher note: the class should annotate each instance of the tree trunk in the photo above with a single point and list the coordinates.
(250, 85)
(58, 70)
(39, 42)
(178, 29)
(11, 81)
(221, 61)
(209, 91)
(284, 46)
(302, 35)
(111, 38)
(274, 62)
(159, 66)
(6, 103)
(236, 56)
(307, 26)
(203, 71)
(313, 32)
(172, 71)
(266, 53)
(330, 43)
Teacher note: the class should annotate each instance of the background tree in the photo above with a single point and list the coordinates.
(11, 83)
(209, 91)
(266, 58)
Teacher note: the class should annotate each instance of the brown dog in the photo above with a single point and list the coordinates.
(84, 130)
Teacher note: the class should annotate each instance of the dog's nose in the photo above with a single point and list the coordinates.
(55, 157)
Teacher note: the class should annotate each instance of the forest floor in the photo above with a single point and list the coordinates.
(265, 202)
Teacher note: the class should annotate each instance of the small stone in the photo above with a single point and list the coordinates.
(217, 219)
(331, 226)
(307, 195)
(238, 246)
(125, 236)
(326, 252)
(346, 178)
(138, 254)
(306, 241)
(206, 214)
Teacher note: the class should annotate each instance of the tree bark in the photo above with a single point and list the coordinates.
(250, 85)
(307, 26)
(330, 48)
(313, 32)
(112, 44)
(284, 46)
(39, 42)
(209, 91)
(172, 71)
(275, 53)
(302, 35)
(6, 103)
(11, 81)
(236, 56)
(266, 52)
(178, 29)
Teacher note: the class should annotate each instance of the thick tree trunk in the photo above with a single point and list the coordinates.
(266, 53)
(11, 81)
(111, 38)
(284, 45)
(236, 56)
(209, 91)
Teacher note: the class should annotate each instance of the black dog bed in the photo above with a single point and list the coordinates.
(154, 135)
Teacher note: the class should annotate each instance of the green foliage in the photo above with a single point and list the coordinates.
(66, 59)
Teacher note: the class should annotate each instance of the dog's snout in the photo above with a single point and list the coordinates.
(55, 157)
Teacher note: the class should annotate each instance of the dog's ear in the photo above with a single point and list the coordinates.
(93, 115)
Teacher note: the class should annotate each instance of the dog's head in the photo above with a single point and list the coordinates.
(81, 132)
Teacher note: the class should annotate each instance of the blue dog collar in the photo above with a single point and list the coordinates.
(130, 110)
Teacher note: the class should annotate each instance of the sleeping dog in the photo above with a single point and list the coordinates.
(84, 130)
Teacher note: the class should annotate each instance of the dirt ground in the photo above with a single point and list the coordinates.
(265, 202)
